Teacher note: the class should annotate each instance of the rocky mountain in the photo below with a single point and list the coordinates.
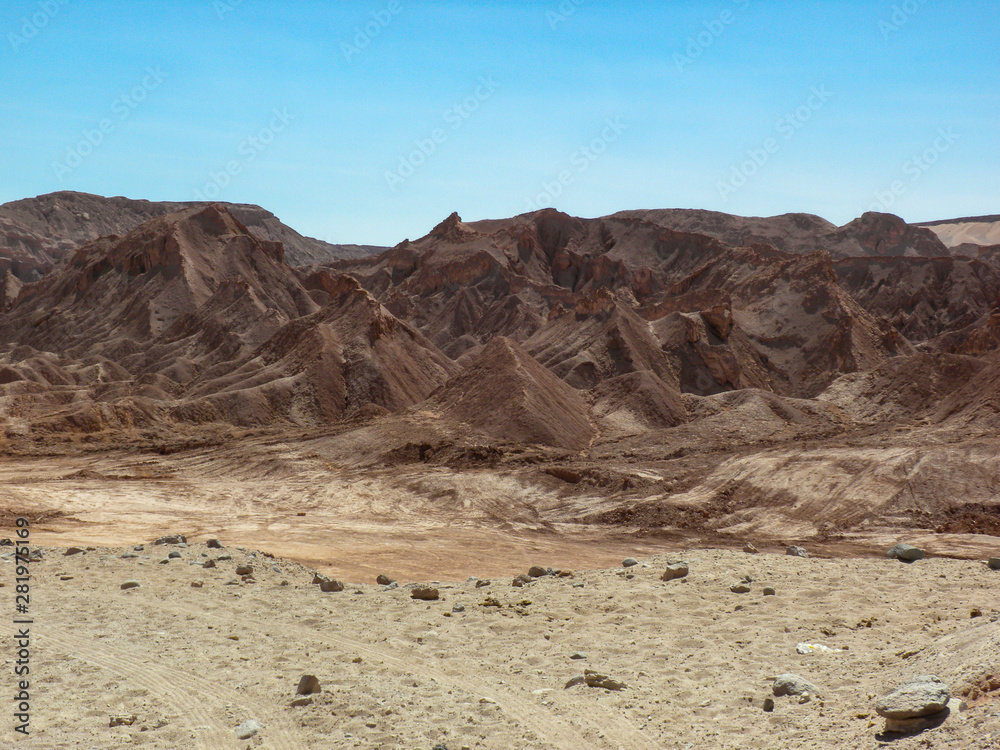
(40, 234)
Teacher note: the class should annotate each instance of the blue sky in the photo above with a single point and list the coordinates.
(369, 122)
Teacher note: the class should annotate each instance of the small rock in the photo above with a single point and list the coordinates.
(308, 684)
(129, 556)
(483, 582)
(921, 696)
(905, 553)
(248, 729)
(425, 593)
(208, 564)
(171, 539)
(521, 580)
(213, 544)
(578, 585)
(383, 580)
(740, 588)
(331, 585)
(390, 586)
(197, 584)
(139, 547)
(73, 551)
(301, 702)
(65, 578)
(224, 557)
(769, 591)
(994, 563)
(768, 704)
(629, 562)
(578, 680)
(174, 554)
(244, 570)
(458, 608)
(796, 551)
(129, 585)
(916, 724)
(578, 655)
(122, 720)
(792, 684)
(675, 570)
(537, 571)
(164, 561)
(596, 679)
(749, 547)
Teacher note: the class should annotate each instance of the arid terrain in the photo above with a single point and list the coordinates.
(540, 390)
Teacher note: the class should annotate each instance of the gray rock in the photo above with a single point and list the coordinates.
(521, 580)
(390, 586)
(208, 564)
(629, 562)
(331, 585)
(769, 591)
(905, 553)
(921, 696)
(308, 684)
(171, 539)
(740, 588)
(796, 551)
(74, 551)
(129, 556)
(537, 571)
(792, 684)
(458, 608)
(578, 655)
(130, 585)
(244, 570)
(164, 561)
(578, 585)
(425, 593)
(139, 547)
(224, 557)
(213, 544)
(994, 563)
(248, 729)
(174, 554)
(675, 570)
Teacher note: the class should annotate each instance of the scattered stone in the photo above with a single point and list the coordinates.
(223, 558)
(244, 570)
(425, 593)
(521, 580)
(171, 539)
(596, 679)
(740, 587)
(629, 562)
(482, 582)
(922, 696)
(675, 570)
(174, 554)
(796, 551)
(815, 648)
(130, 585)
(164, 561)
(390, 586)
(308, 684)
(458, 608)
(248, 729)
(139, 547)
(208, 564)
(578, 680)
(905, 553)
(792, 684)
(122, 720)
(578, 585)
(301, 702)
(994, 563)
(65, 578)
(537, 571)
(768, 704)
(331, 584)
(383, 580)
(129, 556)
(213, 544)
(578, 655)
(975, 612)
(749, 547)
(73, 551)
(197, 584)
(769, 591)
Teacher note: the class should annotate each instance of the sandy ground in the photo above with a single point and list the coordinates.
(191, 664)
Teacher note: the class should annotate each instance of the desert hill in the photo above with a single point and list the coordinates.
(39, 234)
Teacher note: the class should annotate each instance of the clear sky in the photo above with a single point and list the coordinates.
(370, 122)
